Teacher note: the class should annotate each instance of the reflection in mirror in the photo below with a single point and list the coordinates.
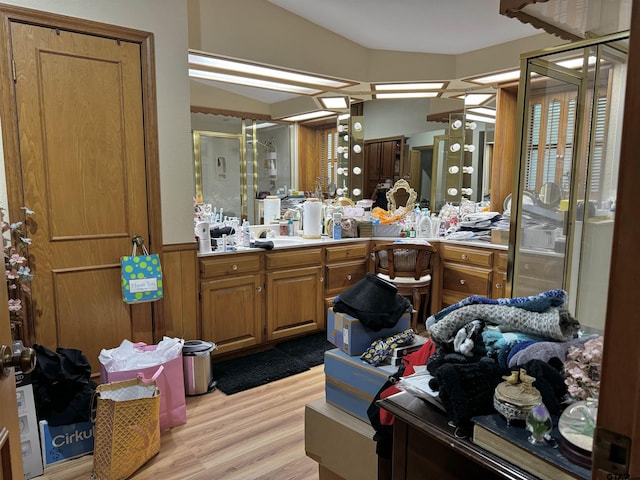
(401, 195)
(238, 160)
(550, 195)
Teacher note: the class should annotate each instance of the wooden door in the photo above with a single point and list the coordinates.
(83, 169)
(10, 452)
(372, 171)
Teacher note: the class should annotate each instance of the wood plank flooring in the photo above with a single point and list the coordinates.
(257, 434)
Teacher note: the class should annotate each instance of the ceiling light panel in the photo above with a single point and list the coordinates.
(501, 77)
(252, 82)
(406, 95)
(483, 111)
(408, 86)
(247, 68)
(309, 116)
(334, 102)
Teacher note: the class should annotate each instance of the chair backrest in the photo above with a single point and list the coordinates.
(411, 260)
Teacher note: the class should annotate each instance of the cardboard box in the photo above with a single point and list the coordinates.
(342, 445)
(64, 442)
(28, 422)
(351, 384)
(352, 337)
(500, 236)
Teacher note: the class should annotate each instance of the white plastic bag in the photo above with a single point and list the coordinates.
(129, 355)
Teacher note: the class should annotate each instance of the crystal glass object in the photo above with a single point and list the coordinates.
(539, 423)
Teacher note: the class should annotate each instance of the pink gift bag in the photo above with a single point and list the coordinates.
(170, 381)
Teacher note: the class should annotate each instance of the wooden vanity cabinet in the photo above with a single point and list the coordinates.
(232, 299)
(345, 265)
(294, 293)
(472, 270)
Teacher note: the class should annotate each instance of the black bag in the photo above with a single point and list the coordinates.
(62, 386)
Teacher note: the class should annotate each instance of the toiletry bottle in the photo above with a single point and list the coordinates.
(290, 228)
(337, 226)
(246, 233)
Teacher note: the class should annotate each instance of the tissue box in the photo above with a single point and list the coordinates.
(351, 384)
(28, 422)
(64, 442)
(392, 230)
(352, 337)
(538, 237)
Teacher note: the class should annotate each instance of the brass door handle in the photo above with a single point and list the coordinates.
(25, 360)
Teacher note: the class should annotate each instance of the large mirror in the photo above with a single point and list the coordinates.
(238, 162)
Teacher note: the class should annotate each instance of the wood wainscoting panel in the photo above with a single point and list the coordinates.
(180, 312)
(90, 321)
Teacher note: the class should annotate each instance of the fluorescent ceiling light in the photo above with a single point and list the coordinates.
(483, 111)
(496, 77)
(406, 95)
(479, 118)
(408, 86)
(334, 102)
(576, 62)
(252, 82)
(344, 116)
(249, 68)
(309, 116)
(476, 98)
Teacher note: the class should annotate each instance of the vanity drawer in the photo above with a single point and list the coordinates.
(467, 280)
(353, 251)
(229, 264)
(294, 257)
(471, 256)
(340, 277)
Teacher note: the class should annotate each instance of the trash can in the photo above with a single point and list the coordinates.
(198, 372)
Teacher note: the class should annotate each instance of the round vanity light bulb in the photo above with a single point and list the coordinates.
(357, 148)
(467, 191)
(357, 192)
(469, 148)
(339, 171)
(357, 170)
(341, 128)
(455, 147)
(345, 172)
(456, 125)
(452, 191)
(345, 138)
(357, 126)
(468, 170)
(339, 191)
(345, 154)
(454, 169)
(471, 125)
(340, 149)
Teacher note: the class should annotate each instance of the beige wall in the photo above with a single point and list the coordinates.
(167, 20)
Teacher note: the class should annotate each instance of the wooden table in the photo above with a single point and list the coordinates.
(424, 446)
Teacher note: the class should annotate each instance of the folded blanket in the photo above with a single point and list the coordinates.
(534, 303)
(553, 324)
(545, 351)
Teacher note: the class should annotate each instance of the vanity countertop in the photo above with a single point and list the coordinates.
(284, 242)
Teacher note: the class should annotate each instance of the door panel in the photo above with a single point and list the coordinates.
(10, 452)
(81, 129)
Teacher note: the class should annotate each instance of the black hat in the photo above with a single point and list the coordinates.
(374, 301)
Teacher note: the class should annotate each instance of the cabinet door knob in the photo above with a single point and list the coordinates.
(462, 282)
(464, 256)
(321, 279)
(258, 289)
(348, 277)
(498, 285)
(234, 267)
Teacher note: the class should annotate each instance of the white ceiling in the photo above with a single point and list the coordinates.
(428, 26)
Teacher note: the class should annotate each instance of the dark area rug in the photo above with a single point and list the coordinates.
(309, 350)
(285, 359)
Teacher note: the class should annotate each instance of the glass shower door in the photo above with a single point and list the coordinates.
(562, 222)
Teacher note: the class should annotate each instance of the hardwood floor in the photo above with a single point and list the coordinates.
(257, 434)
